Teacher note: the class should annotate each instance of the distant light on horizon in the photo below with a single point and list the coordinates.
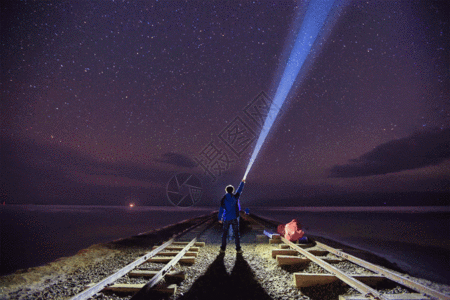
(315, 17)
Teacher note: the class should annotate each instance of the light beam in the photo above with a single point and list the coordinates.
(315, 17)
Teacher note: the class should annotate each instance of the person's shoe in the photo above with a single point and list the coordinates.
(222, 250)
(239, 251)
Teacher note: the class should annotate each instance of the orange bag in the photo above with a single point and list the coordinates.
(293, 231)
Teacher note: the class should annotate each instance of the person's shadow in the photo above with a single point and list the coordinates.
(217, 284)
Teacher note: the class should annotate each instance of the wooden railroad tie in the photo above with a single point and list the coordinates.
(149, 274)
(192, 249)
(284, 260)
(133, 288)
(294, 260)
(303, 246)
(318, 252)
(308, 279)
(194, 254)
(197, 244)
(289, 252)
(166, 259)
(275, 241)
(285, 250)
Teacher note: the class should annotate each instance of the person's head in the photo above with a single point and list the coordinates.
(229, 189)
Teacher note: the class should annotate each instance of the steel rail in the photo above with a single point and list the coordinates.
(110, 279)
(386, 273)
(160, 275)
(377, 269)
(366, 290)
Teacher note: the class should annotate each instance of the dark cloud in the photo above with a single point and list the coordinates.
(178, 160)
(416, 151)
(43, 174)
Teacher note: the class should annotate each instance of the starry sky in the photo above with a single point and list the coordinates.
(103, 102)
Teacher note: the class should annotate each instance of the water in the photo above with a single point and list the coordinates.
(416, 238)
(32, 235)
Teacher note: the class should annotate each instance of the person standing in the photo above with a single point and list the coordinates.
(229, 215)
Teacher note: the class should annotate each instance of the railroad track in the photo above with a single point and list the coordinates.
(144, 277)
(174, 251)
(290, 253)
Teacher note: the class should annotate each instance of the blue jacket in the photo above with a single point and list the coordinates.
(230, 206)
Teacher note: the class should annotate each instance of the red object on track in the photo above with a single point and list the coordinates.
(291, 231)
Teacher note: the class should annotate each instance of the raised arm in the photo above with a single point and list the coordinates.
(239, 190)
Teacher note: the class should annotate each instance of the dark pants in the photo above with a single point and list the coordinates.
(226, 225)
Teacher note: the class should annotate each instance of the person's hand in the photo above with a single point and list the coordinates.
(220, 221)
(243, 180)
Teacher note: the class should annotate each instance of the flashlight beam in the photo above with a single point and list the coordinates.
(315, 17)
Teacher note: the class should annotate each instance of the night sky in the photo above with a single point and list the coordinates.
(103, 102)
